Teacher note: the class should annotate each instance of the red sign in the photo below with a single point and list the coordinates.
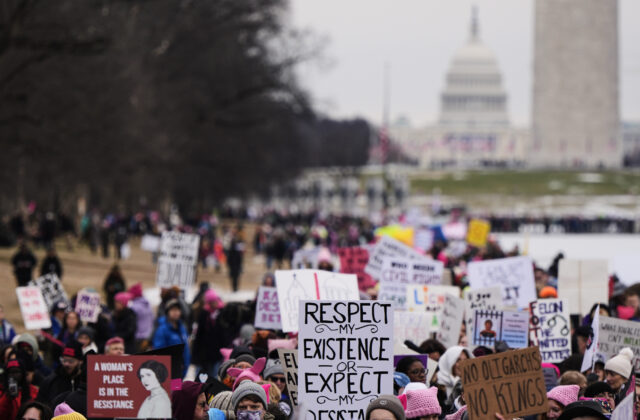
(352, 261)
(129, 386)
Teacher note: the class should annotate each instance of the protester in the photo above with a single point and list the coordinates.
(433, 348)
(189, 402)
(144, 316)
(15, 390)
(113, 284)
(273, 372)
(23, 264)
(70, 326)
(449, 367)
(29, 344)
(207, 343)
(171, 331)
(85, 338)
(58, 310)
(66, 377)
(601, 390)
(234, 248)
(64, 412)
(249, 401)
(618, 370)
(7, 333)
(381, 407)
(413, 368)
(51, 263)
(583, 410)
(114, 347)
(423, 404)
(559, 397)
(34, 410)
(124, 321)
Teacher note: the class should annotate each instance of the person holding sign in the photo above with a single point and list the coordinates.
(449, 367)
(157, 405)
(618, 369)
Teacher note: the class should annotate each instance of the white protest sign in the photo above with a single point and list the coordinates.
(614, 334)
(624, 410)
(178, 260)
(514, 275)
(51, 288)
(429, 299)
(485, 298)
(289, 362)
(584, 283)
(296, 285)
(388, 247)
(88, 305)
(35, 313)
(267, 309)
(509, 326)
(345, 356)
(588, 360)
(451, 321)
(305, 258)
(413, 326)
(550, 328)
(150, 243)
(398, 272)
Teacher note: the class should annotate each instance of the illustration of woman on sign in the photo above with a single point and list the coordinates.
(157, 405)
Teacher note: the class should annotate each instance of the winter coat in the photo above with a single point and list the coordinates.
(55, 384)
(124, 326)
(9, 407)
(207, 342)
(51, 265)
(144, 314)
(168, 335)
(7, 333)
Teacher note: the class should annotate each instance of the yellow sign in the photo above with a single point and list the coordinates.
(478, 232)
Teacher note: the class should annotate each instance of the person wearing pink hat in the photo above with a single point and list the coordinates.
(559, 397)
(144, 316)
(423, 404)
(207, 343)
(125, 321)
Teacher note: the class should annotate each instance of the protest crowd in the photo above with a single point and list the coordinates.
(352, 320)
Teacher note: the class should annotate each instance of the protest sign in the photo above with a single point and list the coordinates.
(514, 275)
(296, 285)
(305, 258)
(625, 410)
(478, 232)
(485, 298)
(267, 309)
(428, 298)
(549, 329)
(398, 272)
(178, 259)
(88, 305)
(413, 326)
(353, 260)
(128, 386)
(51, 288)
(584, 283)
(150, 243)
(591, 352)
(509, 383)
(345, 357)
(289, 362)
(451, 321)
(388, 247)
(614, 334)
(491, 326)
(35, 313)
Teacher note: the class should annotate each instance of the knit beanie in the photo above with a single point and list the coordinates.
(245, 389)
(123, 298)
(222, 401)
(222, 371)
(458, 415)
(621, 363)
(88, 331)
(389, 403)
(564, 394)
(422, 402)
(597, 388)
(136, 290)
(273, 367)
(30, 340)
(245, 358)
(64, 412)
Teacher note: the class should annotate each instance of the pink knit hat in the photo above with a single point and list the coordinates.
(252, 373)
(123, 298)
(62, 408)
(422, 402)
(458, 414)
(564, 394)
(136, 290)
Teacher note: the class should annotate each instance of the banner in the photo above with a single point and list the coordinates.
(353, 260)
(88, 305)
(35, 313)
(478, 232)
(584, 283)
(178, 260)
(614, 334)
(345, 357)
(51, 288)
(128, 386)
(489, 298)
(451, 321)
(509, 383)
(491, 326)
(514, 275)
(289, 362)
(625, 409)
(388, 247)
(296, 285)
(267, 309)
(550, 328)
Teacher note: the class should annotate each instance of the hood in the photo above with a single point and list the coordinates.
(31, 340)
(183, 401)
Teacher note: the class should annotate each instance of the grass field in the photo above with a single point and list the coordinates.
(82, 269)
(527, 183)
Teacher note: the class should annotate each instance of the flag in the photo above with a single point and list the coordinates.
(588, 360)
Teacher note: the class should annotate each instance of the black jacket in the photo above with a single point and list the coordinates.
(55, 384)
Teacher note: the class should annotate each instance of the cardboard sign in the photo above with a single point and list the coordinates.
(345, 356)
(614, 334)
(178, 259)
(397, 273)
(451, 321)
(550, 328)
(584, 283)
(508, 326)
(267, 309)
(509, 383)
(88, 305)
(51, 288)
(35, 313)
(296, 285)
(413, 326)
(353, 260)
(150, 243)
(514, 275)
(478, 232)
(122, 386)
(390, 248)
(489, 298)
(289, 362)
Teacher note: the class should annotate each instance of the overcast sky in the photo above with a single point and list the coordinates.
(418, 38)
